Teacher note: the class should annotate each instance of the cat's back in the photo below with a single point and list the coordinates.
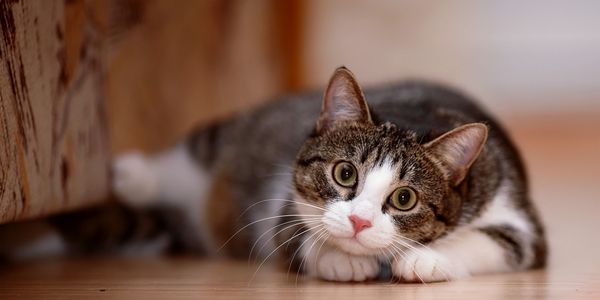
(432, 109)
(406, 103)
(280, 127)
(259, 143)
(417, 105)
(429, 109)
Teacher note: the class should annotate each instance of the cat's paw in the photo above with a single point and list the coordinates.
(134, 180)
(338, 266)
(427, 265)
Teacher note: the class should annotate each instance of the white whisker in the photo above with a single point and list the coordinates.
(277, 248)
(262, 220)
(403, 255)
(389, 255)
(323, 235)
(277, 199)
(294, 223)
(444, 272)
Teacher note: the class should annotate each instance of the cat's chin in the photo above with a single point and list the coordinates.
(354, 246)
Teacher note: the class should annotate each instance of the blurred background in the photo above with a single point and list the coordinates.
(534, 64)
(173, 66)
(83, 80)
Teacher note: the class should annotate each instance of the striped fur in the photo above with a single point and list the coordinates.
(262, 183)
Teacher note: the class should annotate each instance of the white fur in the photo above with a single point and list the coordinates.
(367, 205)
(501, 211)
(327, 262)
(347, 256)
(466, 251)
(135, 179)
(171, 178)
(427, 265)
(335, 265)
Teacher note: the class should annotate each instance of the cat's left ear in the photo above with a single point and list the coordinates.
(343, 102)
(458, 149)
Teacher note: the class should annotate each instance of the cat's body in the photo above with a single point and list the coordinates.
(256, 184)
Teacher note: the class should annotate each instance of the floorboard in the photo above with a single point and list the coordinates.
(564, 169)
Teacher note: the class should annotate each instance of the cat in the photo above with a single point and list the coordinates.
(417, 179)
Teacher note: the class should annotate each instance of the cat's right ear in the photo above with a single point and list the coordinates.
(343, 102)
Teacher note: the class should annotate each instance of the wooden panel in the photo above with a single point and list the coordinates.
(174, 66)
(53, 141)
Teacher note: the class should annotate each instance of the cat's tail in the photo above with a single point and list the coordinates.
(160, 209)
(23, 241)
(107, 229)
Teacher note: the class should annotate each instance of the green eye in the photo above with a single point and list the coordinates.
(403, 199)
(345, 174)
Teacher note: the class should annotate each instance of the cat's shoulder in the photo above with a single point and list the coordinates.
(423, 94)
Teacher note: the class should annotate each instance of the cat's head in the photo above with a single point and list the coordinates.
(370, 187)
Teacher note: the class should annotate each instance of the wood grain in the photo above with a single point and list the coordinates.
(180, 278)
(53, 140)
(172, 67)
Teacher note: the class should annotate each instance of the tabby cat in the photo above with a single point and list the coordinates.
(418, 180)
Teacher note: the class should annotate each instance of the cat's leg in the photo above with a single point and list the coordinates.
(174, 179)
(135, 179)
(24, 241)
(459, 255)
(329, 263)
(335, 265)
(502, 239)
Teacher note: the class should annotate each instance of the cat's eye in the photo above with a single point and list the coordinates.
(344, 173)
(403, 199)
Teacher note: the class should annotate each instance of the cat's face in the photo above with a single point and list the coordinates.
(373, 188)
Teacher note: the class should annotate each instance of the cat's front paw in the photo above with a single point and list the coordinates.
(338, 266)
(427, 265)
(134, 180)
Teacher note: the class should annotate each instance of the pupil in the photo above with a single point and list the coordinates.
(346, 173)
(404, 197)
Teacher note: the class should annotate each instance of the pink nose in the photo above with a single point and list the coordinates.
(359, 223)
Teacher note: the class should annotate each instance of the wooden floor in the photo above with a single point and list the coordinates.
(565, 169)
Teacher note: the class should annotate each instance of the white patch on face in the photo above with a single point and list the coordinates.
(367, 205)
